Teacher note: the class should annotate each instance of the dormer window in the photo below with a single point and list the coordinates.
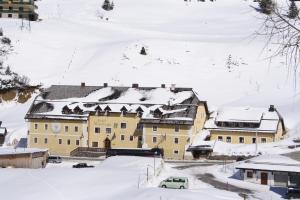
(124, 111)
(66, 110)
(157, 113)
(78, 110)
(107, 110)
(139, 111)
(98, 109)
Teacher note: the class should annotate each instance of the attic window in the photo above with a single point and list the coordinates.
(157, 113)
(98, 109)
(107, 109)
(66, 110)
(139, 111)
(124, 110)
(78, 110)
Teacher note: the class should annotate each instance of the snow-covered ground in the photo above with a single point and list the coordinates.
(205, 45)
(117, 177)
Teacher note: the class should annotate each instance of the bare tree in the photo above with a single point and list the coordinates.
(283, 35)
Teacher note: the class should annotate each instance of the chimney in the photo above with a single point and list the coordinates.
(135, 85)
(173, 87)
(163, 85)
(271, 108)
(105, 85)
(82, 84)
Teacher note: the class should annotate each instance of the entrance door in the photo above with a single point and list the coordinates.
(107, 143)
(264, 178)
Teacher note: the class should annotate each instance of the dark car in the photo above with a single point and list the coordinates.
(82, 165)
(293, 192)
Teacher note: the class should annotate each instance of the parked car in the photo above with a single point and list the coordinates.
(82, 165)
(175, 183)
(54, 159)
(293, 192)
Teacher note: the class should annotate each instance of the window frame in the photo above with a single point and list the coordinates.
(154, 140)
(96, 130)
(108, 132)
(123, 125)
(228, 139)
(154, 128)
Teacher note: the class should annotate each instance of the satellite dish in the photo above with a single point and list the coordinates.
(56, 127)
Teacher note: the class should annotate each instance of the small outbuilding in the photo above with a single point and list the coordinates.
(23, 157)
(273, 170)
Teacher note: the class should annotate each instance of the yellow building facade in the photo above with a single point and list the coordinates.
(64, 126)
(256, 126)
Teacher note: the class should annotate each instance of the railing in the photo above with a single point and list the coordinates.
(87, 149)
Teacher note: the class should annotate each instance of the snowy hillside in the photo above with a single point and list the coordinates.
(205, 45)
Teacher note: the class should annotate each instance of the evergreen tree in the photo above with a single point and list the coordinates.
(106, 5)
(266, 6)
(143, 51)
(293, 11)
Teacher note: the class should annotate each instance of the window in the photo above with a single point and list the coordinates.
(77, 142)
(10, 8)
(176, 152)
(228, 139)
(35, 140)
(176, 140)
(263, 140)
(108, 130)
(139, 126)
(123, 125)
(176, 128)
(97, 130)
(241, 140)
(35, 126)
(68, 142)
(95, 144)
(46, 141)
(131, 138)
(140, 138)
(253, 140)
(66, 129)
(9, 15)
(122, 137)
(249, 174)
(1, 8)
(154, 139)
(21, 9)
(154, 128)
(59, 141)
(46, 126)
(76, 129)
(220, 138)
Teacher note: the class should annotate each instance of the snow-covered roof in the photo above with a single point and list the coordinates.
(11, 150)
(271, 163)
(173, 104)
(265, 120)
(244, 114)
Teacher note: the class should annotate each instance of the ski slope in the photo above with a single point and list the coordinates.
(188, 43)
